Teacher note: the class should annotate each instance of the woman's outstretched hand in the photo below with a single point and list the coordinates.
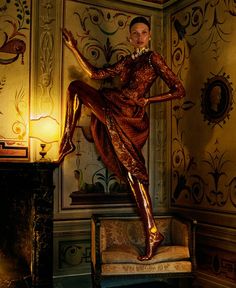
(69, 39)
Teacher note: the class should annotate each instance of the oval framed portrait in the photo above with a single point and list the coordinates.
(217, 99)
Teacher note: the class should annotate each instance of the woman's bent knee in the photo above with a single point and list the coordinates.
(74, 86)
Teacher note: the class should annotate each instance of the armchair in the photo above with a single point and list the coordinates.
(117, 240)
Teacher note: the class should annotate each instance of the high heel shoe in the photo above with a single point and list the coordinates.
(153, 242)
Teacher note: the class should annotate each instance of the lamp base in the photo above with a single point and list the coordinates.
(43, 153)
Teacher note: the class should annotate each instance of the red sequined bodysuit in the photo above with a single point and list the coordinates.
(120, 125)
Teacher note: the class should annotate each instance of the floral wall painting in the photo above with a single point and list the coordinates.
(202, 145)
(14, 69)
(217, 99)
(214, 188)
(12, 39)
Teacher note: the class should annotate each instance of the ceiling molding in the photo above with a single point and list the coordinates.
(162, 3)
(157, 4)
(158, 1)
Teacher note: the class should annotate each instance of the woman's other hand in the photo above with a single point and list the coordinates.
(143, 102)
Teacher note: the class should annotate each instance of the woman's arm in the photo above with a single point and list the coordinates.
(94, 73)
(176, 91)
(71, 43)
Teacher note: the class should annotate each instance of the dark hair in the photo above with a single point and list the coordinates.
(139, 19)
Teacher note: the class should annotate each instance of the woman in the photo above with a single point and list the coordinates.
(119, 123)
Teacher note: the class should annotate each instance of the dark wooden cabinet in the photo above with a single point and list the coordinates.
(26, 222)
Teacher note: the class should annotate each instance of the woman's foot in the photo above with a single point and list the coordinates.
(153, 243)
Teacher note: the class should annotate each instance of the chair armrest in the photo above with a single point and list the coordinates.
(184, 233)
(180, 232)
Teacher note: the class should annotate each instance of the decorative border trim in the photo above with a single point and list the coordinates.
(13, 152)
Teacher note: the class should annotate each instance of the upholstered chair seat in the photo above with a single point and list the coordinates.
(117, 241)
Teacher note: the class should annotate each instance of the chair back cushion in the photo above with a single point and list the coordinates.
(130, 232)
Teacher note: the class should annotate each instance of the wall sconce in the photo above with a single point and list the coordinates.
(46, 130)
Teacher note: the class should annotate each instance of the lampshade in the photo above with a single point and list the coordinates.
(44, 128)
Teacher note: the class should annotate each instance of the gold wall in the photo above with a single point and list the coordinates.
(202, 48)
(29, 78)
(14, 79)
(191, 149)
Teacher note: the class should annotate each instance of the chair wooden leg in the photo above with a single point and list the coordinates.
(95, 279)
(185, 282)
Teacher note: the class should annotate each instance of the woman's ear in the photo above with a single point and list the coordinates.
(129, 39)
(150, 36)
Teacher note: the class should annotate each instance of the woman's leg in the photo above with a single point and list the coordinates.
(143, 201)
(78, 93)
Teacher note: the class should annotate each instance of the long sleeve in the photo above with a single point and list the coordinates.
(110, 71)
(97, 73)
(168, 76)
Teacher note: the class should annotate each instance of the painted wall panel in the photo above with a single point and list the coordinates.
(14, 79)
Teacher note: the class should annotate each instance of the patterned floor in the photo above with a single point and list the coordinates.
(23, 283)
(85, 282)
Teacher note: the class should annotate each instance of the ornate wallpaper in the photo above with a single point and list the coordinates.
(14, 70)
(203, 150)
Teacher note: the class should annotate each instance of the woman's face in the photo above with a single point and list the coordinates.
(139, 35)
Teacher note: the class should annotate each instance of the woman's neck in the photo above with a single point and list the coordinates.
(139, 51)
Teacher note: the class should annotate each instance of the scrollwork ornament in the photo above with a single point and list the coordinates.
(72, 255)
(178, 57)
(89, 43)
(178, 158)
(197, 19)
(232, 191)
(47, 56)
(216, 194)
(186, 25)
(231, 7)
(197, 189)
(217, 198)
(94, 52)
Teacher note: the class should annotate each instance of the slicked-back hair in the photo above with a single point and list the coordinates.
(139, 19)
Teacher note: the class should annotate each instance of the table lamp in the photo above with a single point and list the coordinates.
(46, 130)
